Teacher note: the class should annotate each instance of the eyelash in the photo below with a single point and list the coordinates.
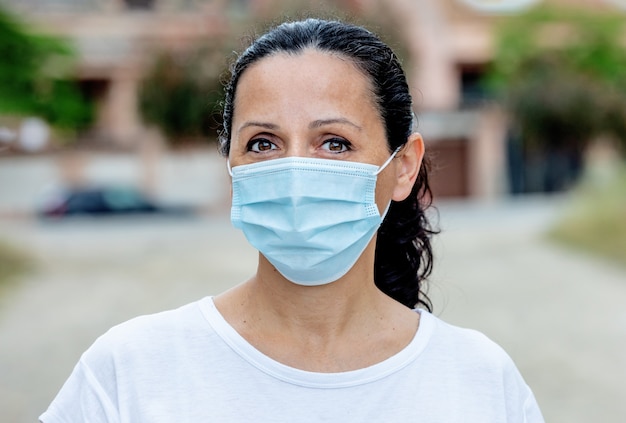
(344, 143)
(254, 141)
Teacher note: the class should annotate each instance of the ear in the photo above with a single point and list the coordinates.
(410, 158)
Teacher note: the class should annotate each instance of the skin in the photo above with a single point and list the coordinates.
(316, 104)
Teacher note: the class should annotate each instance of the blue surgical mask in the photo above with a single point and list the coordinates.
(311, 218)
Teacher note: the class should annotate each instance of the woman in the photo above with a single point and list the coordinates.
(320, 145)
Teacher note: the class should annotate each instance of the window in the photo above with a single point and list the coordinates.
(473, 90)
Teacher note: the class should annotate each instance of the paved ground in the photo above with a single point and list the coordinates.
(558, 313)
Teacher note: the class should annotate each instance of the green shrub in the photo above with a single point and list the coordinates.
(35, 77)
(561, 73)
(181, 94)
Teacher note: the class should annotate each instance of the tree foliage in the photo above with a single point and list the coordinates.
(562, 75)
(181, 93)
(35, 77)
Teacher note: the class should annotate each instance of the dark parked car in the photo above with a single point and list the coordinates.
(101, 201)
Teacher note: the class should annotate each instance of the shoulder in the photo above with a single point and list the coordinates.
(152, 332)
(138, 362)
(158, 323)
(462, 348)
(478, 370)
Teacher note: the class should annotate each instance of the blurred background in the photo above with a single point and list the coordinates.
(114, 201)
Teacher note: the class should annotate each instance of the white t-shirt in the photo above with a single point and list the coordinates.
(190, 365)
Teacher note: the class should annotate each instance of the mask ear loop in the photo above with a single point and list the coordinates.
(380, 169)
(230, 170)
(384, 165)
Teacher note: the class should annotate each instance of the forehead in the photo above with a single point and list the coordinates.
(307, 75)
(311, 53)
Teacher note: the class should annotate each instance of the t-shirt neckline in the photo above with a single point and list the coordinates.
(310, 379)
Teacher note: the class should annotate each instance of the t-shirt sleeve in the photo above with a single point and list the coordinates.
(82, 398)
(521, 404)
(90, 393)
(495, 383)
(532, 413)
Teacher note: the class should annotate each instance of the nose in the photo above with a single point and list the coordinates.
(297, 146)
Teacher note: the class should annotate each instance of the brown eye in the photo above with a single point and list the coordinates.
(261, 145)
(337, 145)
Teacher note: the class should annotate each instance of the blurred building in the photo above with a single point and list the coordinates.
(115, 40)
(450, 41)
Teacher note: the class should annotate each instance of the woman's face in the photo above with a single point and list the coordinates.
(312, 104)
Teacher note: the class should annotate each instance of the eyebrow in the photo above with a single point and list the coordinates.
(322, 122)
(315, 124)
(265, 125)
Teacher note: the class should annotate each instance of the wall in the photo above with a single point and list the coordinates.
(196, 178)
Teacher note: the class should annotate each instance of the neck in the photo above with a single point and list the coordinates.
(325, 310)
(344, 325)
